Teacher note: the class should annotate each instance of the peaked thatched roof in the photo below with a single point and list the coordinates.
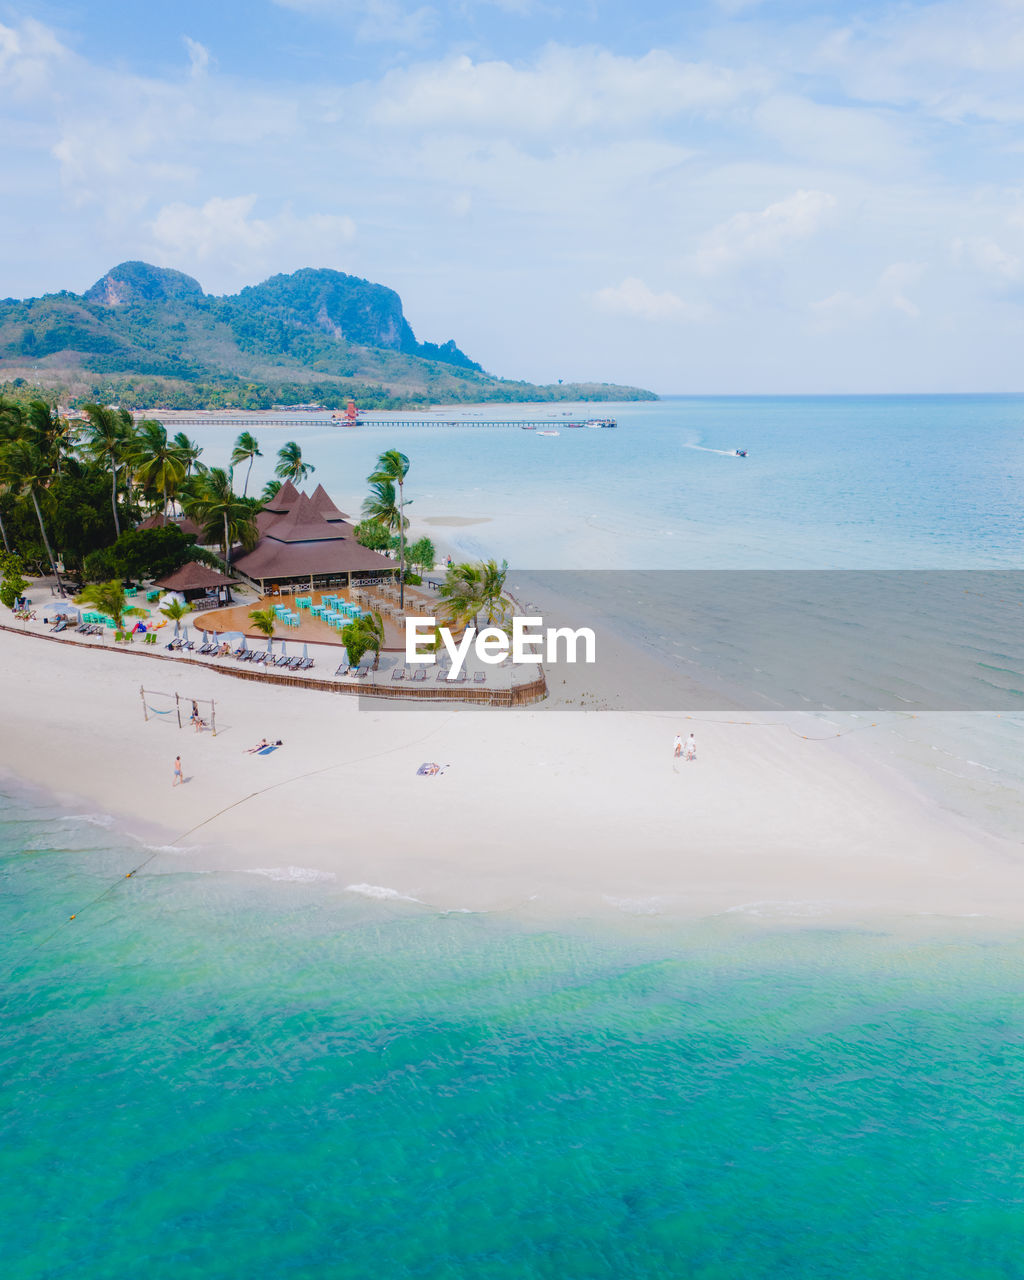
(194, 577)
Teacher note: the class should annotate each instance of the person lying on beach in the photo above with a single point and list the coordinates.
(258, 747)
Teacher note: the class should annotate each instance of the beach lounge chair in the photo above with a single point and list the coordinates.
(420, 674)
(462, 677)
(293, 664)
(479, 677)
(398, 673)
(362, 673)
(308, 664)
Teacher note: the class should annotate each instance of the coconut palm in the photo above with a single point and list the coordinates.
(157, 462)
(109, 598)
(174, 610)
(108, 440)
(26, 469)
(265, 620)
(363, 634)
(270, 491)
(189, 451)
(382, 507)
(492, 592)
(462, 593)
(392, 468)
(54, 434)
(212, 502)
(246, 446)
(290, 465)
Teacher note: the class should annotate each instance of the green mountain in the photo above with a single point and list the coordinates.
(149, 337)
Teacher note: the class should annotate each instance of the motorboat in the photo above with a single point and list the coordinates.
(548, 433)
(741, 453)
(601, 422)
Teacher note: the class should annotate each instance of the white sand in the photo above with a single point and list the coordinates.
(539, 808)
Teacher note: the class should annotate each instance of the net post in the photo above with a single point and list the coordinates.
(213, 717)
(142, 695)
(177, 707)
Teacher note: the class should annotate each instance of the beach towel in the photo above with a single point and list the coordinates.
(265, 751)
(430, 769)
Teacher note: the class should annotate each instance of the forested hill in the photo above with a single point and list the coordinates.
(149, 337)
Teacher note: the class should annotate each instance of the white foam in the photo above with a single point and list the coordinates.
(379, 891)
(95, 819)
(295, 875)
(780, 908)
(636, 906)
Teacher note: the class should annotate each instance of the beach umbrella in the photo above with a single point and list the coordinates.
(284, 649)
(305, 653)
(244, 646)
(270, 644)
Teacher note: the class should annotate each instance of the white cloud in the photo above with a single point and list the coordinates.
(374, 20)
(991, 259)
(198, 56)
(637, 300)
(749, 237)
(30, 53)
(565, 89)
(888, 294)
(224, 229)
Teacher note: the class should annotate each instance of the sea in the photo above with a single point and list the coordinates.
(237, 1075)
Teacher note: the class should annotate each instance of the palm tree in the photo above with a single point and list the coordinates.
(290, 465)
(462, 593)
(108, 438)
(109, 598)
(492, 592)
(213, 503)
(364, 633)
(189, 451)
(54, 434)
(174, 611)
(157, 462)
(382, 507)
(26, 469)
(246, 446)
(392, 468)
(270, 491)
(265, 620)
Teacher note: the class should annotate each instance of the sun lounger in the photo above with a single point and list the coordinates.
(479, 677)
(398, 673)
(420, 674)
(362, 673)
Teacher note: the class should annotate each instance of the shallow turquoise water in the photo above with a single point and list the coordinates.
(220, 1076)
(850, 482)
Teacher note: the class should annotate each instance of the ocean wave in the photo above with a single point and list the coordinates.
(94, 819)
(636, 906)
(294, 875)
(380, 892)
(779, 908)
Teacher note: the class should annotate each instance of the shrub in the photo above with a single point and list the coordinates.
(373, 535)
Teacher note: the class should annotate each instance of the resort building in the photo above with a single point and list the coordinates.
(199, 585)
(306, 542)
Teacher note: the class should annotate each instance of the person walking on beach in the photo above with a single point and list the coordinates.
(677, 746)
(179, 776)
(690, 750)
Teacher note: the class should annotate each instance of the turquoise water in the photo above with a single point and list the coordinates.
(217, 1076)
(224, 1076)
(859, 482)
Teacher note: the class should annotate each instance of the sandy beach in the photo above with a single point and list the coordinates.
(549, 809)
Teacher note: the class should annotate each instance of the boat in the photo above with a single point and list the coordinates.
(528, 426)
(601, 422)
(740, 453)
(548, 433)
(574, 424)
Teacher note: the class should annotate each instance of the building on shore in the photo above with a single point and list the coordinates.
(198, 583)
(307, 542)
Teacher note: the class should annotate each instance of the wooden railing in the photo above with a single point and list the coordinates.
(519, 695)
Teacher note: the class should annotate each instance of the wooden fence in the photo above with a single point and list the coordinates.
(519, 695)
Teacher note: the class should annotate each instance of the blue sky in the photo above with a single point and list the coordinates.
(731, 196)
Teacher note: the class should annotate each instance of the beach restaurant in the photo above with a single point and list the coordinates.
(305, 541)
(198, 582)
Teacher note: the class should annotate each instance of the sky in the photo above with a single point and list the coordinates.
(725, 196)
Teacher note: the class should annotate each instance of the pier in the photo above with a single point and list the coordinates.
(212, 421)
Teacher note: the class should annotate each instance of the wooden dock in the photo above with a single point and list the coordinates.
(525, 423)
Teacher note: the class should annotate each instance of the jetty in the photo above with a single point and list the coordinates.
(525, 423)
